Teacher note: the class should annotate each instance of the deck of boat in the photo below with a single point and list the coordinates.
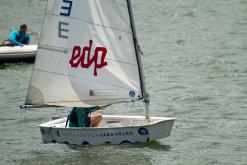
(110, 121)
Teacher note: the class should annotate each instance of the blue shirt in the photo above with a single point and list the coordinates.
(18, 39)
(79, 117)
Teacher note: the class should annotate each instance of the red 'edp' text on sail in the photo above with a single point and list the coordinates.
(80, 58)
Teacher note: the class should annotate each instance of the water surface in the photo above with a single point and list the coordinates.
(195, 68)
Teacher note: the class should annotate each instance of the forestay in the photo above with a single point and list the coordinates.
(86, 55)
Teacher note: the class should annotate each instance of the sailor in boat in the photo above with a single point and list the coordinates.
(18, 38)
(81, 117)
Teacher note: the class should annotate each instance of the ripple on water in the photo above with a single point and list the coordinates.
(195, 68)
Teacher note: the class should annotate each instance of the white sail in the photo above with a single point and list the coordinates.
(86, 55)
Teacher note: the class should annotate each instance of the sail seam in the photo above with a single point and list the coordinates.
(92, 23)
(68, 75)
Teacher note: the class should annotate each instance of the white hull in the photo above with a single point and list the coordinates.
(112, 130)
(17, 53)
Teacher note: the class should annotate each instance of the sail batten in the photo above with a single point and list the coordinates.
(86, 55)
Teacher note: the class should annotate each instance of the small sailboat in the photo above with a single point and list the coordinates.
(17, 53)
(88, 55)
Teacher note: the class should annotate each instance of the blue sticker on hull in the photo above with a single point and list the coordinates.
(132, 94)
(143, 131)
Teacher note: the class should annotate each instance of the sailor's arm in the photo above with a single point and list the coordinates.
(28, 40)
(12, 37)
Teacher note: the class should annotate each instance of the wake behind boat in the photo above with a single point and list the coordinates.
(25, 53)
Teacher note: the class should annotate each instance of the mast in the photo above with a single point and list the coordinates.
(138, 56)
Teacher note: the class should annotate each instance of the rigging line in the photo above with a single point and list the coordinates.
(139, 99)
(150, 54)
(65, 49)
(97, 82)
(114, 1)
(140, 50)
(89, 22)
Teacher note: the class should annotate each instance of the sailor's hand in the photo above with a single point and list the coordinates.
(23, 45)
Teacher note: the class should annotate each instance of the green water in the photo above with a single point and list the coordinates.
(195, 68)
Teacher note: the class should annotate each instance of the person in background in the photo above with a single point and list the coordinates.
(81, 117)
(18, 38)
